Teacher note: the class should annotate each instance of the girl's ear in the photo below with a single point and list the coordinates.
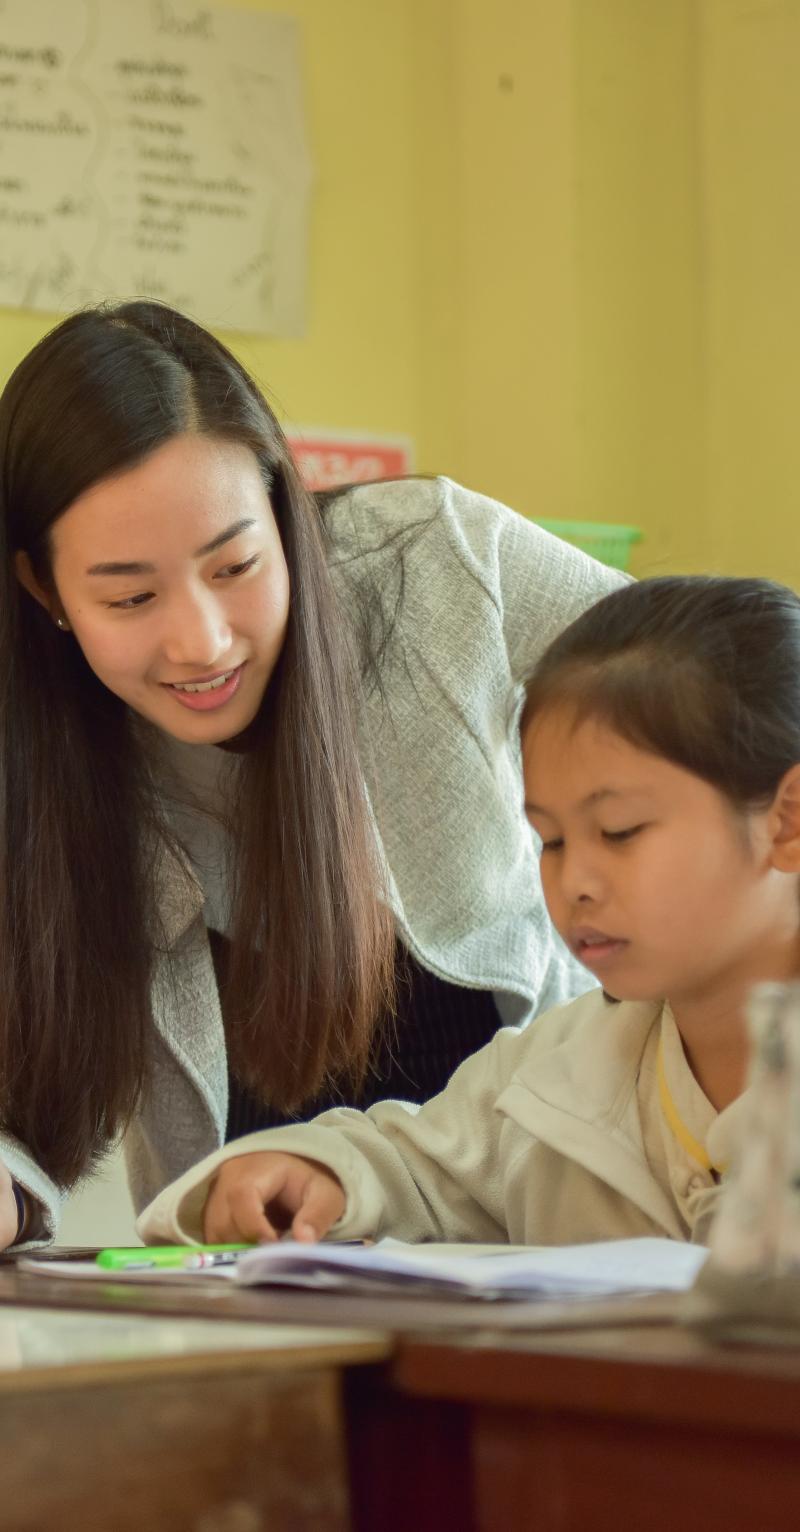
(785, 823)
(23, 569)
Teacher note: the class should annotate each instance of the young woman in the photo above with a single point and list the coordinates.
(661, 745)
(261, 840)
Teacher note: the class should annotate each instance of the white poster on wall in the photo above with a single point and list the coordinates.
(158, 148)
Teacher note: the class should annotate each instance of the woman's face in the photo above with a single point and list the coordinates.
(173, 580)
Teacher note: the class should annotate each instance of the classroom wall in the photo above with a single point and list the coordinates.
(751, 128)
(555, 242)
(689, 246)
(502, 398)
(625, 300)
(641, 284)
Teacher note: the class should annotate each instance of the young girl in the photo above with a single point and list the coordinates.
(661, 745)
(261, 845)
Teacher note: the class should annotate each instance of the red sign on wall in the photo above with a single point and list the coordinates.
(326, 458)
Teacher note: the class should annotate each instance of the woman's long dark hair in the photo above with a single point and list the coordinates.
(701, 670)
(81, 830)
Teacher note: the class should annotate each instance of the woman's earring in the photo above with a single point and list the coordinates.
(64, 626)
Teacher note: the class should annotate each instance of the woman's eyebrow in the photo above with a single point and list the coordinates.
(138, 567)
(225, 537)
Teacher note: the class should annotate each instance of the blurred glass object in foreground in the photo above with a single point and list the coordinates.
(749, 1288)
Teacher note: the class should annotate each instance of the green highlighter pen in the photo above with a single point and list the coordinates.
(148, 1257)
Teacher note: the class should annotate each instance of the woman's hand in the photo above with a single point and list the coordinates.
(259, 1196)
(8, 1210)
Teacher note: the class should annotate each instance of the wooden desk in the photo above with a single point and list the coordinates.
(118, 1423)
(634, 1429)
(648, 1430)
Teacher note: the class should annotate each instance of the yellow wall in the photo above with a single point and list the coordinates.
(640, 278)
(629, 293)
(558, 243)
(690, 278)
(751, 131)
(502, 404)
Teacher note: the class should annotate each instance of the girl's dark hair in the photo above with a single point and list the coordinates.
(703, 671)
(81, 832)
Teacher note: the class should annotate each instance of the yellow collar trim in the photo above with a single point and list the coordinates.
(686, 1139)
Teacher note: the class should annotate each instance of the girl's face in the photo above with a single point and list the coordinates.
(651, 877)
(173, 580)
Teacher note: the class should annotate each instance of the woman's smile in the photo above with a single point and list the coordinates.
(203, 696)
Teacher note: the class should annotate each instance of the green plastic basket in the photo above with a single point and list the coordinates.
(607, 541)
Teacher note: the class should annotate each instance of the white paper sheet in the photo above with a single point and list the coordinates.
(155, 148)
(497, 1272)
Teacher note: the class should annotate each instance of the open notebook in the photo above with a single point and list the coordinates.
(490, 1272)
(496, 1272)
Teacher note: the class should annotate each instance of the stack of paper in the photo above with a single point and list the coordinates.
(607, 1269)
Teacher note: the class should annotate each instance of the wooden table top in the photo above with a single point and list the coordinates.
(658, 1373)
(400, 1314)
(478, 1351)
